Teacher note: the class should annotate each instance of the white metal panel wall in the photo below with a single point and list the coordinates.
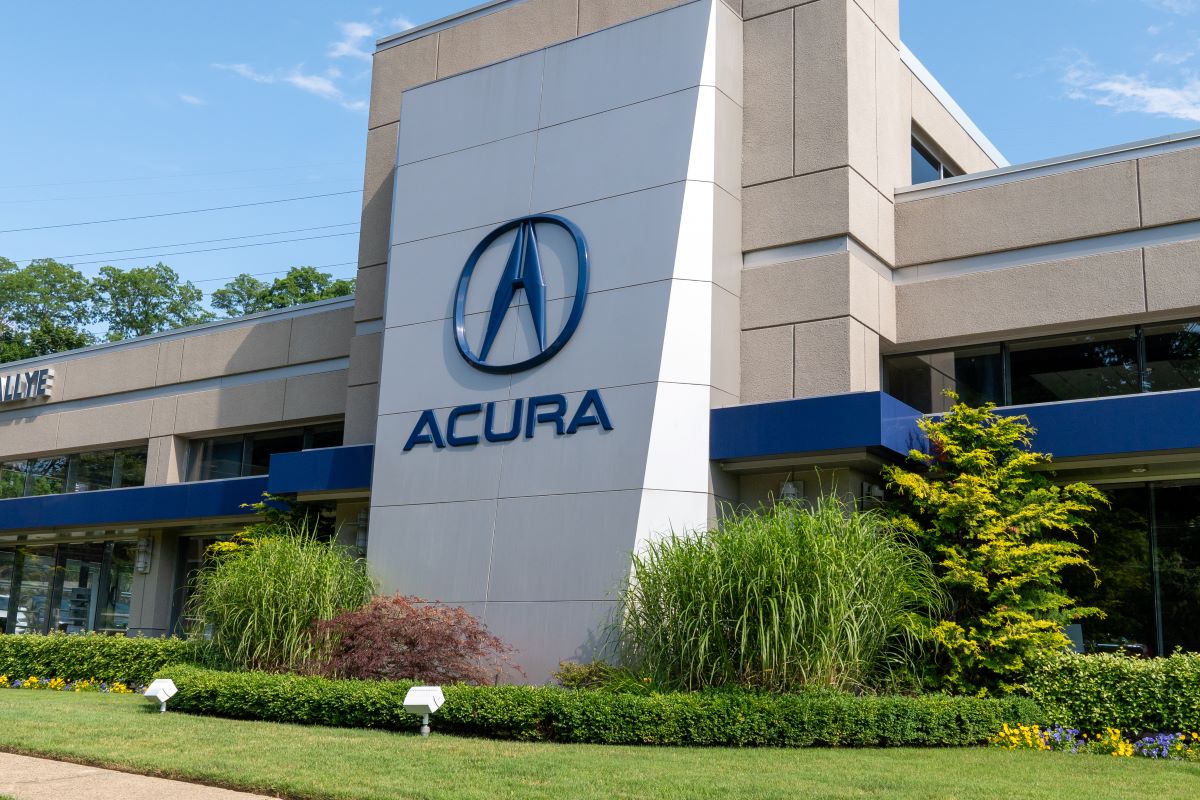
(634, 134)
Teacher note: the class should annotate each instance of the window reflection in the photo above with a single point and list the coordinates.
(1172, 356)
(1075, 367)
(70, 587)
(249, 454)
(76, 472)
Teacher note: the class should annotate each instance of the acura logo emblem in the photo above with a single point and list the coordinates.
(522, 271)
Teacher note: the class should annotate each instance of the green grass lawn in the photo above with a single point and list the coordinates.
(308, 762)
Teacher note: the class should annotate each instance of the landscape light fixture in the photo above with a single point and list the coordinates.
(145, 546)
(162, 690)
(423, 701)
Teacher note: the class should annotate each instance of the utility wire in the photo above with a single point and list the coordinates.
(212, 249)
(173, 191)
(177, 213)
(275, 272)
(186, 244)
(178, 175)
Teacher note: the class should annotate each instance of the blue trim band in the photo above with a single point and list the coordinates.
(323, 470)
(1124, 425)
(133, 506)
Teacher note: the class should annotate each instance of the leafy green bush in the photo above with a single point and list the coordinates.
(730, 718)
(255, 604)
(781, 598)
(1094, 692)
(77, 656)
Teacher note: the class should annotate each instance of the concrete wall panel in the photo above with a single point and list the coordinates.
(319, 337)
(518, 29)
(1169, 187)
(105, 425)
(396, 69)
(378, 183)
(1173, 276)
(798, 209)
(108, 373)
(768, 115)
(322, 394)
(767, 356)
(1053, 208)
(597, 14)
(243, 349)
(238, 406)
(991, 304)
(939, 124)
(821, 108)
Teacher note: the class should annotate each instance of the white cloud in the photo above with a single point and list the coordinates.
(400, 24)
(354, 36)
(1181, 7)
(1173, 58)
(192, 100)
(1129, 93)
(246, 72)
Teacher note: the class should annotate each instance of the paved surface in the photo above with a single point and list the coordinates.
(28, 778)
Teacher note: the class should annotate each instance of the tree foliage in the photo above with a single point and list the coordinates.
(144, 300)
(44, 308)
(1001, 533)
(246, 294)
(48, 307)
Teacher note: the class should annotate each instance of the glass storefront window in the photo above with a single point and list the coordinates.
(12, 478)
(1147, 582)
(118, 591)
(70, 587)
(974, 373)
(77, 472)
(250, 454)
(1074, 367)
(47, 476)
(1172, 356)
(91, 471)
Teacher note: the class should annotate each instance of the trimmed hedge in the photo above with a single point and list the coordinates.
(552, 714)
(75, 656)
(1093, 692)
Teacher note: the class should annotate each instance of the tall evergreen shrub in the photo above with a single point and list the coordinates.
(1000, 533)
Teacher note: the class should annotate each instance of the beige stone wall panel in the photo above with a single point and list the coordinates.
(103, 426)
(1170, 187)
(233, 407)
(939, 124)
(992, 304)
(398, 68)
(370, 293)
(366, 353)
(597, 14)
(768, 115)
(796, 210)
(322, 394)
(1173, 276)
(362, 410)
(318, 337)
(521, 28)
(374, 235)
(767, 358)
(821, 109)
(1053, 208)
(246, 348)
(106, 373)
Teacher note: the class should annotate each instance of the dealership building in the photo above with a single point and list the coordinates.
(623, 262)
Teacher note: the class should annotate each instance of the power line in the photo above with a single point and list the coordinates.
(177, 175)
(275, 272)
(161, 194)
(212, 249)
(186, 244)
(177, 213)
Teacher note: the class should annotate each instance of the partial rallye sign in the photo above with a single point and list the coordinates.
(26, 385)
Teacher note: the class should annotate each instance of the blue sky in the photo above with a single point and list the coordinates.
(134, 108)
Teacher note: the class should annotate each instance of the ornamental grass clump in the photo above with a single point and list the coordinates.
(782, 598)
(255, 604)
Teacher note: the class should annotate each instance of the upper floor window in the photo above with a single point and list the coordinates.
(77, 472)
(1149, 358)
(243, 455)
(928, 167)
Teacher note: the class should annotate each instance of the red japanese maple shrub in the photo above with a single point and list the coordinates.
(408, 638)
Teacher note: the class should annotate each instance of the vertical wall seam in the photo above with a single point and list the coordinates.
(1145, 282)
(792, 114)
(1137, 174)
